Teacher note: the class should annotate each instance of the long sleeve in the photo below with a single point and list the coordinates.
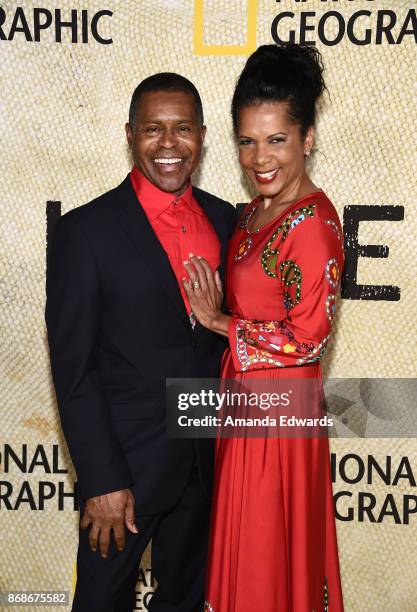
(308, 267)
(72, 314)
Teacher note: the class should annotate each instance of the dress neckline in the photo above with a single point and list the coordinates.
(256, 202)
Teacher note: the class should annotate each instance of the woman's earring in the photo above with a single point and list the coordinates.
(307, 153)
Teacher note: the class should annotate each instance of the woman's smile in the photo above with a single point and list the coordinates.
(266, 177)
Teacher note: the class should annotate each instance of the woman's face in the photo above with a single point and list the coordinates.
(272, 149)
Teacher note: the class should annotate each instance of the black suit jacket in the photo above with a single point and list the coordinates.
(117, 328)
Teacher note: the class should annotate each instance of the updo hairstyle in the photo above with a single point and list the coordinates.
(290, 73)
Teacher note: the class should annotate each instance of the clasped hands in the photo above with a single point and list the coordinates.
(205, 294)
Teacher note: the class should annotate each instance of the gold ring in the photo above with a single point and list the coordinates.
(196, 284)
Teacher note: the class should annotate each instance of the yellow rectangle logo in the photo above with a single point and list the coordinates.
(201, 49)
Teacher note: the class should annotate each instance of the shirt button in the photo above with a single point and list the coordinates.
(183, 229)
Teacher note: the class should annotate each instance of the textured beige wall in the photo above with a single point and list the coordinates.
(62, 111)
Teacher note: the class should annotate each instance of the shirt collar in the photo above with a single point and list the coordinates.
(154, 200)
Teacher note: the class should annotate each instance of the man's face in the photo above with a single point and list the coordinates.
(167, 138)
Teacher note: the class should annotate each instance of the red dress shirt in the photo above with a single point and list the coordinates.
(180, 225)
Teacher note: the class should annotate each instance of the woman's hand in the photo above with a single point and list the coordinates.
(205, 294)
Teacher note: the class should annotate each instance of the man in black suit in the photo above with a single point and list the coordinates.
(118, 325)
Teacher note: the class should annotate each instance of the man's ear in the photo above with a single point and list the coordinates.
(203, 133)
(129, 134)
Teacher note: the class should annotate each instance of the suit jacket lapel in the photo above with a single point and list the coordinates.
(140, 231)
(138, 228)
(217, 219)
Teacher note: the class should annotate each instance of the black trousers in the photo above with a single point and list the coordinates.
(179, 555)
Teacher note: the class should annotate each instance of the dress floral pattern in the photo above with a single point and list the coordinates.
(273, 540)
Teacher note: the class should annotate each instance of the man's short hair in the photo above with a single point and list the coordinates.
(164, 81)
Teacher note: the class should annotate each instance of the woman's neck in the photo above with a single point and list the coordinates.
(291, 195)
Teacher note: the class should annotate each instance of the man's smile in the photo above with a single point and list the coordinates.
(168, 164)
(168, 160)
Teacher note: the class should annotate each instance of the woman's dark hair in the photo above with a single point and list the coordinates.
(289, 73)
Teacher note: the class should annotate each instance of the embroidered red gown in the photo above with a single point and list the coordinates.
(273, 541)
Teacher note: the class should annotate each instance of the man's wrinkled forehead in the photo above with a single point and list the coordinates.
(167, 106)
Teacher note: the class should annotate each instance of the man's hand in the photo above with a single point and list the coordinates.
(106, 512)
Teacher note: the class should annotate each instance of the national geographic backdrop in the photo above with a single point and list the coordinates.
(68, 69)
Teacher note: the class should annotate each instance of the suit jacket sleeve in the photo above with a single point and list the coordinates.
(72, 314)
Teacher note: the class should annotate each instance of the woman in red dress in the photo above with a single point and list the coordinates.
(273, 541)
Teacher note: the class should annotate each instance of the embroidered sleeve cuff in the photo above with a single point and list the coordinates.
(269, 344)
(236, 344)
(245, 346)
